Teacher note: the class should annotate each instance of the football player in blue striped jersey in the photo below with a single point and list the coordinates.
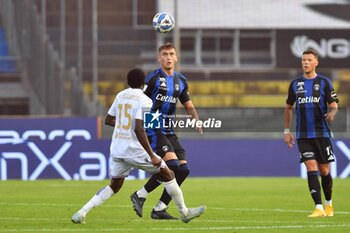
(165, 87)
(316, 107)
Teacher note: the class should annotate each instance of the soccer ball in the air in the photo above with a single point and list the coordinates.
(163, 22)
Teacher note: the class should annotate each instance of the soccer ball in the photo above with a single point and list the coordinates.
(163, 22)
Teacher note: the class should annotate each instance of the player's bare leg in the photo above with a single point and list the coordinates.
(100, 197)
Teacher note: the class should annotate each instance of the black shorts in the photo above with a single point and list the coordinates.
(319, 149)
(162, 144)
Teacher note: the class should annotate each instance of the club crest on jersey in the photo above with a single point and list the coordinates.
(317, 87)
(177, 87)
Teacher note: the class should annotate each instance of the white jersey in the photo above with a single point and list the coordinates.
(128, 106)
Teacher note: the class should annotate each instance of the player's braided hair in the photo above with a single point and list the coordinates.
(136, 78)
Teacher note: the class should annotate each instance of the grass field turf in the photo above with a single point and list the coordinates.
(234, 205)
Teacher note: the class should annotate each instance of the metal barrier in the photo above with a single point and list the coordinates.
(54, 90)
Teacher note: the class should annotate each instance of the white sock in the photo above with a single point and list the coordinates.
(328, 202)
(160, 206)
(142, 193)
(101, 196)
(319, 206)
(175, 192)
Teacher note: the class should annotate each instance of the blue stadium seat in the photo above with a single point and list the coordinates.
(6, 63)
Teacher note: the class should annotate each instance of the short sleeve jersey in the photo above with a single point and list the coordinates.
(128, 106)
(312, 97)
(165, 91)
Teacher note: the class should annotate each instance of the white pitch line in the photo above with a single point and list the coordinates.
(129, 206)
(67, 219)
(271, 210)
(176, 228)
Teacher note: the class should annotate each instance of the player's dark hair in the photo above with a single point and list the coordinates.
(167, 45)
(136, 78)
(311, 51)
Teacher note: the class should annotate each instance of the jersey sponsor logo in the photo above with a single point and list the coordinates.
(308, 154)
(300, 87)
(308, 99)
(336, 48)
(162, 84)
(166, 98)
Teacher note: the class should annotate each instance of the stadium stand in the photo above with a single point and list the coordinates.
(230, 62)
(13, 96)
(6, 62)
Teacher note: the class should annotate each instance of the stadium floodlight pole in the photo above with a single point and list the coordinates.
(94, 52)
(177, 41)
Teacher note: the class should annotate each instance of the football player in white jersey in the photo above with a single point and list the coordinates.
(130, 149)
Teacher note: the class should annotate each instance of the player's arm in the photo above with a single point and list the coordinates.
(110, 120)
(333, 109)
(110, 117)
(142, 137)
(150, 85)
(288, 136)
(187, 103)
(332, 100)
(191, 110)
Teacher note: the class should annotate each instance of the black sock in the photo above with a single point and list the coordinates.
(181, 172)
(327, 185)
(314, 187)
(153, 182)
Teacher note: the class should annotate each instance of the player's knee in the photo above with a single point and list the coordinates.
(324, 173)
(184, 170)
(173, 165)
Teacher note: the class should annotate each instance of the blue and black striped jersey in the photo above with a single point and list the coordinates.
(165, 91)
(312, 97)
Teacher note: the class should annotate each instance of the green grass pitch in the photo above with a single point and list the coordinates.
(234, 205)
